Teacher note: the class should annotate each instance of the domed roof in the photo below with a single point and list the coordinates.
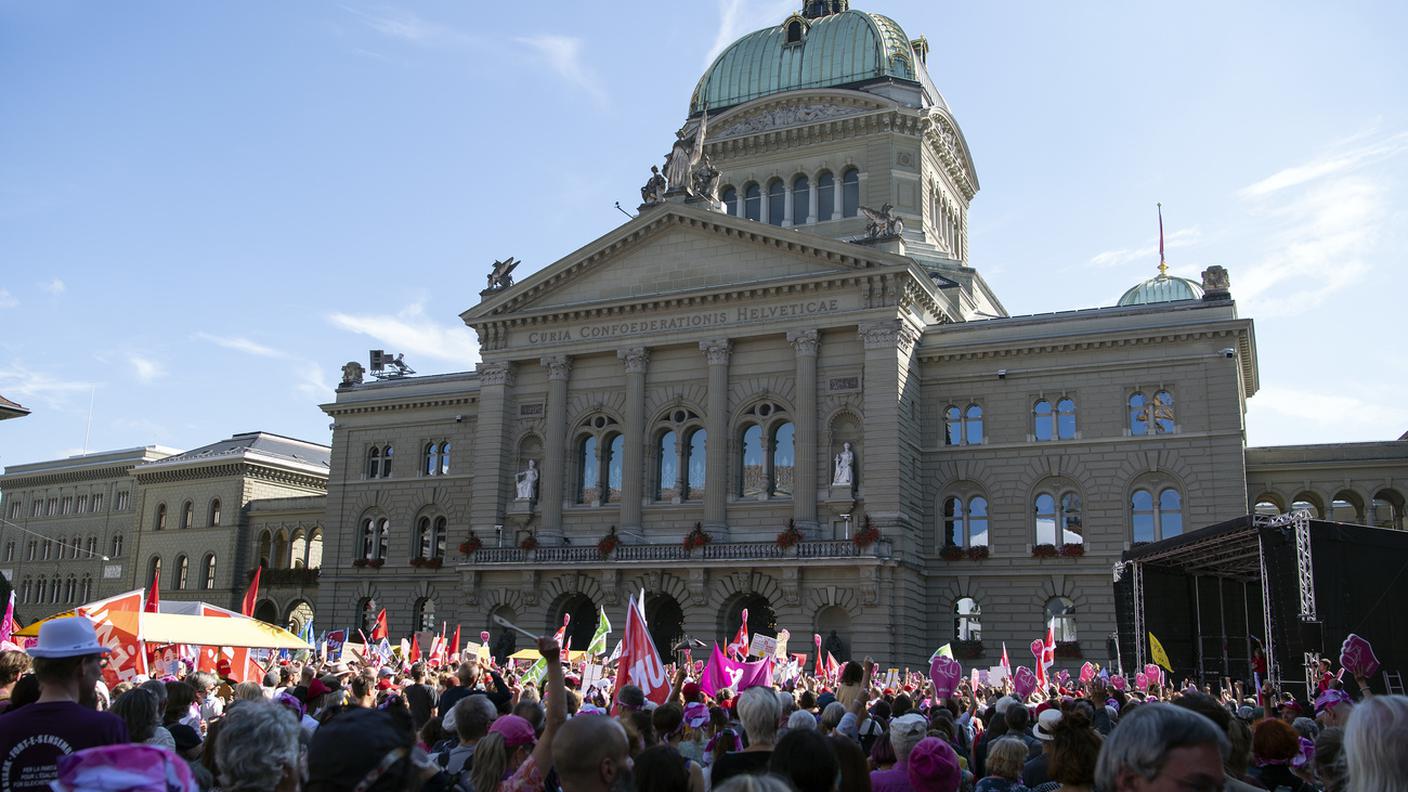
(836, 49)
(1160, 289)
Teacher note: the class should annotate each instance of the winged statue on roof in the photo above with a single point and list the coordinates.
(882, 222)
(501, 277)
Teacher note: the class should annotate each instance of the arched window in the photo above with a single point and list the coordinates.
(445, 458)
(207, 575)
(967, 620)
(1066, 419)
(1072, 526)
(953, 426)
(1266, 506)
(1155, 519)
(161, 516)
(116, 545)
(850, 193)
(794, 32)
(730, 198)
(965, 522)
(1045, 519)
(432, 459)
(383, 537)
(374, 462)
(615, 466)
(87, 588)
(784, 458)
(315, 549)
(667, 454)
(752, 201)
(297, 550)
(425, 615)
(1151, 415)
(1387, 508)
(215, 513)
(437, 533)
(1061, 619)
(188, 515)
(183, 571)
(27, 590)
(973, 425)
(70, 589)
(801, 198)
(1346, 507)
(694, 463)
(55, 590)
(1163, 412)
(430, 537)
(777, 202)
(153, 569)
(767, 454)
(386, 461)
(1044, 421)
(588, 479)
(369, 541)
(266, 548)
(825, 196)
(279, 559)
(1058, 517)
(600, 447)
(1307, 502)
(366, 615)
(1138, 422)
(39, 589)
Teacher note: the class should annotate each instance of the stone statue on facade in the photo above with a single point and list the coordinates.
(352, 373)
(501, 277)
(882, 222)
(505, 646)
(833, 646)
(654, 190)
(684, 158)
(526, 481)
(705, 181)
(843, 475)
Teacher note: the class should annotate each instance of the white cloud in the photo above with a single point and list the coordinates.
(311, 382)
(54, 287)
(412, 333)
(1328, 164)
(7, 300)
(22, 384)
(1182, 237)
(1338, 407)
(563, 55)
(240, 344)
(406, 26)
(147, 370)
(737, 17)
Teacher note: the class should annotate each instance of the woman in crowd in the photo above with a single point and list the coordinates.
(1274, 745)
(137, 708)
(758, 711)
(511, 758)
(257, 749)
(807, 759)
(1374, 744)
(1075, 747)
(1004, 766)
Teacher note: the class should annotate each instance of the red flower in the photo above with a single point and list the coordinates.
(530, 543)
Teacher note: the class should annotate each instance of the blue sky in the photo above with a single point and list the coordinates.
(206, 208)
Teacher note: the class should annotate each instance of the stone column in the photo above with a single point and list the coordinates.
(550, 490)
(632, 467)
(788, 211)
(716, 483)
(488, 489)
(812, 192)
(836, 196)
(805, 343)
(888, 344)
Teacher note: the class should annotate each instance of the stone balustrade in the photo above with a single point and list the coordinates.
(577, 555)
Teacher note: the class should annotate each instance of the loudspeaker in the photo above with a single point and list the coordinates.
(1312, 636)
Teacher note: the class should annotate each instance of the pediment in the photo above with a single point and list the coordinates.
(770, 113)
(677, 249)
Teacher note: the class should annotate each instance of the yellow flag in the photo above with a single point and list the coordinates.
(1156, 651)
(943, 651)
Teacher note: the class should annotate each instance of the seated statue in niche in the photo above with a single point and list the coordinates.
(845, 460)
(833, 646)
(526, 481)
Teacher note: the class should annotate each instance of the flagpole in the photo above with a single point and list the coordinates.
(1163, 265)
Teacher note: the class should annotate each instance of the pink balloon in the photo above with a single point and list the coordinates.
(1087, 672)
(1118, 682)
(1024, 680)
(1141, 681)
(1357, 656)
(945, 672)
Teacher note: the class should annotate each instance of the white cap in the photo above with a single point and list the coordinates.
(72, 636)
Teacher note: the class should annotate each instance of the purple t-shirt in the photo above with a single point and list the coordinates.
(33, 738)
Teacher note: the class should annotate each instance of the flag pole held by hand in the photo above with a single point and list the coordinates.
(505, 623)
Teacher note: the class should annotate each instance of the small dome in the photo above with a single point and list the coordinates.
(836, 49)
(1161, 289)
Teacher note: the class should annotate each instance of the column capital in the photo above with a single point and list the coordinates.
(559, 366)
(717, 350)
(804, 341)
(636, 359)
(887, 334)
(495, 373)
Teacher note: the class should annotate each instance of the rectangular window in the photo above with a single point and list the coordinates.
(67, 507)
(52, 508)
(36, 508)
(15, 510)
(122, 498)
(97, 502)
(82, 504)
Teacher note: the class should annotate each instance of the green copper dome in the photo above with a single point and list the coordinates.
(837, 49)
(1161, 289)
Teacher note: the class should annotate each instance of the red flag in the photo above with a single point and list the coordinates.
(415, 648)
(153, 603)
(820, 663)
(455, 650)
(380, 631)
(1006, 664)
(251, 594)
(831, 666)
(1048, 654)
(738, 647)
(640, 662)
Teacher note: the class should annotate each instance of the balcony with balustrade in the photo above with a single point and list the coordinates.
(830, 551)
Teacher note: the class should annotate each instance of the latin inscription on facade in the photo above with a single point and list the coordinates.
(530, 410)
(733, 316)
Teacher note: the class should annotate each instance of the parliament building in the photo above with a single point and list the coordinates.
(784, 388)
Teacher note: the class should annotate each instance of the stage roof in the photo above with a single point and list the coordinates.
(1228, 549)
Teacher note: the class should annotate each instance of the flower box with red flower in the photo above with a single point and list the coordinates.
(866, 536)
(471, 545)
(359, 562)
(697, 538)
(529, 543)
(978, 552)
(952, 553)
(1044, 551)
(789, 537)
(433, 563)
(417, 562)
(608, 545)
(1072, 550)
(376, 563)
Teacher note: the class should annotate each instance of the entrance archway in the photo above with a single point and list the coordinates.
(665, 620)
(300, 613)
(502, 641)
(761, 618)
(267, 611)
(583, 612)
(833, 624)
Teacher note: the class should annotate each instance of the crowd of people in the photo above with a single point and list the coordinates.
(325, 725)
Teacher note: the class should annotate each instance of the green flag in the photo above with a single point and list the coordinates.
(535, 672)
(603, 629)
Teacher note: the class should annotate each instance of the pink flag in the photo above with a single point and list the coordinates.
(724, 672)
(7, 627)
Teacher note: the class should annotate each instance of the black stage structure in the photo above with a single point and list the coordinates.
(1296, 584)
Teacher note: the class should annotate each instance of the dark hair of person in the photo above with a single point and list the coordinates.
(1016, 717)
(56, 669)
(903, 703)
(179, 697)
(1274, 740)
(1075, 747)
(137, 708)
(25, 691)
(644, 726)
(882, 753)
(807, 759)
(667, 719)
(851, 673)
(724, 742)
(660, 768)
(1207, 707)
(806, 701)
(855, 773)
(12, 665)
